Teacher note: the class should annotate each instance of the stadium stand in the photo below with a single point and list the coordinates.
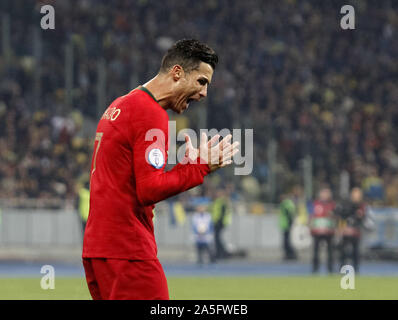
(300, 81)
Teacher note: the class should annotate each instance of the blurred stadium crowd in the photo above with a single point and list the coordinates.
(286, 69)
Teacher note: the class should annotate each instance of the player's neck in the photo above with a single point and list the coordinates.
(160, 90)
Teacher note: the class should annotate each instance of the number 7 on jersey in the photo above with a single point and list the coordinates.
(98, 138)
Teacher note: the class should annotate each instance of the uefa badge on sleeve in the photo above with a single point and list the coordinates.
(156, 158)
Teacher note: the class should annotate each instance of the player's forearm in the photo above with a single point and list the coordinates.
(156, 188)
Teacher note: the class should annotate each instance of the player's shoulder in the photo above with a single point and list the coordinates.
(141, 102)
(137, 108)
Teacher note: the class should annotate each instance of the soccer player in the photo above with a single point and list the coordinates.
(128, 177)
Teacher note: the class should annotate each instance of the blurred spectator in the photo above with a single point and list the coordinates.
(178, 210)
(203, 231)
(372, 184)
(287, 214)
(322, 224)
(221, 216)
(391, 191)
(83, 204)
(351, 214)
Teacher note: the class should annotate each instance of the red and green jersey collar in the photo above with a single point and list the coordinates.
(142, 88)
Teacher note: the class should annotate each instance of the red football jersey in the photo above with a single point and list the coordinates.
(128, 178)
(322, 221)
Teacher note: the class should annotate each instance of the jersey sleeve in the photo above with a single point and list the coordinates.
(153, 183)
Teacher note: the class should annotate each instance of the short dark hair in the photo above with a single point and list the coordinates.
(188, 53)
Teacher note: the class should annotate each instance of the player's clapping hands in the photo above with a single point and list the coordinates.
(217, 154)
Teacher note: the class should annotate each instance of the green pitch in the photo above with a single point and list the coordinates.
(190, 288)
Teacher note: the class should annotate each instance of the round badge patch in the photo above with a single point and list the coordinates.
(156, 158)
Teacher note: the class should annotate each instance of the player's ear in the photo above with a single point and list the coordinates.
(177, 72)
